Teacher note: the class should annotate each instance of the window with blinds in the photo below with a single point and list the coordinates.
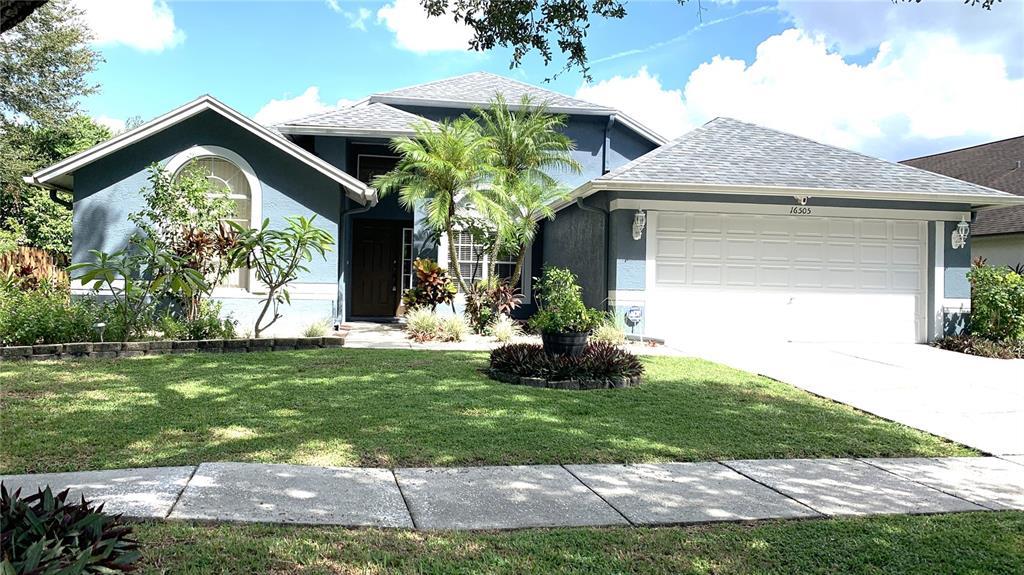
(473, 260)
(227, 178)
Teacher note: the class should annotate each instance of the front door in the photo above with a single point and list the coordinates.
(376, 267)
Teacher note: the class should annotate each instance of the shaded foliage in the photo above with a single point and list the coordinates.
(598, 361)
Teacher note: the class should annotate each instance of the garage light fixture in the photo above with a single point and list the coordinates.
(639, 223)
(959, 236)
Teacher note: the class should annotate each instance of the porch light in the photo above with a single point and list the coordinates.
(959, 236)
(639, 223)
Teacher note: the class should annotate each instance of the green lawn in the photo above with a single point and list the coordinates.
(941, 544)
(410, 408)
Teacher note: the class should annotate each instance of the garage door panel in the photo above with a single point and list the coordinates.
(671, 248)
(790, 277)
(670, 273)
(706, 274)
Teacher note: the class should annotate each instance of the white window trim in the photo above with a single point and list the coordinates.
(525, 281)
(255, 197)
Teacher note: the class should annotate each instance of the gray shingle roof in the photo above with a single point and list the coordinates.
(369, 117)
(479, 88)
(996, 165)
(733, 153)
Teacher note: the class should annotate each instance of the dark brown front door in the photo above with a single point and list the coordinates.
(376, 260)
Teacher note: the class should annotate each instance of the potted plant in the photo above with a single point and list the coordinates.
(563, 320)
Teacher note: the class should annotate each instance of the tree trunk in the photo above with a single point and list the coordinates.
(518, 273)
(453, 260)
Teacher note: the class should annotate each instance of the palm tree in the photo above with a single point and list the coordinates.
(438, 168)
(527, 144)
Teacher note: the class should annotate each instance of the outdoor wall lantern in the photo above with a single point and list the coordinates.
(639, 223)
(959, 236)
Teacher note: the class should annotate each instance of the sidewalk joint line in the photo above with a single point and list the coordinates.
(181, 492)
(763, 484)
(412, 519)
(916, 482)
(591, 489)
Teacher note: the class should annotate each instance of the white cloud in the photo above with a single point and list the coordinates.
(146, 25)
(642, 97)
(925, 86)
(356, 19)
(854, 26)
(115, 125)
(305, 104)
(415, 32)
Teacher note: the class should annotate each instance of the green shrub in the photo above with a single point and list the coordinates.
(505, 329)
(422, 324)
(44, 533)
(608, 333)
(208, 324)
(560, 307)
(48, 314)
(997, 303)
(453, 328)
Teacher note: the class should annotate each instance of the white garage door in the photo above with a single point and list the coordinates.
(792, 278)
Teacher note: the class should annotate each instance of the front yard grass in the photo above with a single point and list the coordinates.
(366, 407)
(947, 544)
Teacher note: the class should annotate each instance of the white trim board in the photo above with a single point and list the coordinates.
(781, 210)
(977, 201)
(60, 175)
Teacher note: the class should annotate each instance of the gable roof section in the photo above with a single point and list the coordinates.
(730, 156)
(479, 88)
(61, 174)
(364, 119)
(998, 165)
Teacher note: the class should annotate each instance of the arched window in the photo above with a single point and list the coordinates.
(228, 174)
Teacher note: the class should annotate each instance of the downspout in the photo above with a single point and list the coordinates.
(53, 191)
(607, 241)
(343, 264)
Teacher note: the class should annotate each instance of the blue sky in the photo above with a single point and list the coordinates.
(890, 80)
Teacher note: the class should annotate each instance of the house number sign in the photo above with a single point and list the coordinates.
(800, 211)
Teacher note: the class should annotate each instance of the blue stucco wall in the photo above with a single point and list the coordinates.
(107, 190)
(588, 134)
(627, 263)
(958, 263)
(575, 239)
(625, 145)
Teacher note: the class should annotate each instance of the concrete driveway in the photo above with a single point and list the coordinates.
(975, 401)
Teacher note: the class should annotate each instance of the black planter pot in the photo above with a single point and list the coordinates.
(572, 343)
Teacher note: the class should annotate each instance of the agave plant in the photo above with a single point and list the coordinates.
(46, 534)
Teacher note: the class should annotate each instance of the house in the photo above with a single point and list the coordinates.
(998, 235)
(732, 230)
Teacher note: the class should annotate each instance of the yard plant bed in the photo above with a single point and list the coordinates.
(599, 366)
(371, 407)
(114, 349)
(948, 544)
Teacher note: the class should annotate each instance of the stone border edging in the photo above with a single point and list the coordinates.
(571, 384)
(116, 349)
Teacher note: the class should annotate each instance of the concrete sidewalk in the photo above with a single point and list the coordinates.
(549, 495)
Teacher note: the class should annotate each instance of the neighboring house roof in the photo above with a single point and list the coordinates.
(479, 88)
(363, 119)
(730, 156)
(998, 165)
(61, 174)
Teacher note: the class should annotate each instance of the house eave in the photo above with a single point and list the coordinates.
(975, 201)
(299, 130)
(61, 173)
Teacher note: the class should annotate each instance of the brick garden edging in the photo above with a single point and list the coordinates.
(573, 384)
(113, 349)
